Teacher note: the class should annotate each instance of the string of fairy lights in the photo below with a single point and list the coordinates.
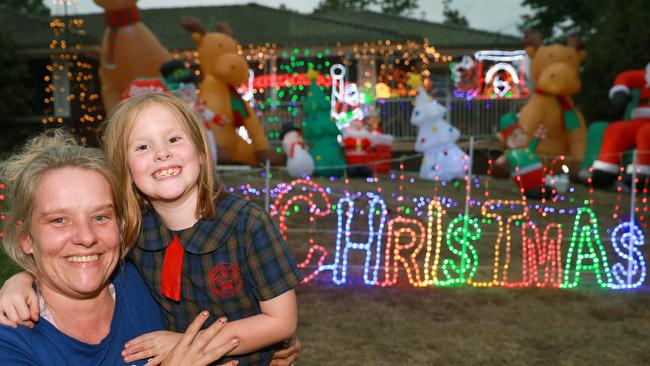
(72, 91)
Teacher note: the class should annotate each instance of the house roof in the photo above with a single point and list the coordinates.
(27, 31)
(34, 32)
(254, 24)
(257, 25)
(439, 35)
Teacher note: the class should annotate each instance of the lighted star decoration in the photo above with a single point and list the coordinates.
(414, 80)
(311, 74)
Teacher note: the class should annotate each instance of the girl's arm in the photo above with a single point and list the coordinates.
(18, 301)
(193, 347)
(277, 322)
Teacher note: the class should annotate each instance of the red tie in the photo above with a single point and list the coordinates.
(170, 284)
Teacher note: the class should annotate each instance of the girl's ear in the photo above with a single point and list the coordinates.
(26, 242)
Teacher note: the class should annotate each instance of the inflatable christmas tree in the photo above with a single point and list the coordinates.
(320, 132)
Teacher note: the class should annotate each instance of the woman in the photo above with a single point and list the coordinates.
(64, 228)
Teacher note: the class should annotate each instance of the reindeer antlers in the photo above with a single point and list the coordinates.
(532, 38)
(224, 27)
(192, 25)
(574, 41)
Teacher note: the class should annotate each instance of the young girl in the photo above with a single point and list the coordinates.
(196, 246)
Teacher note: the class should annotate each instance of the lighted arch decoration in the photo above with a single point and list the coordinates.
(490, 74)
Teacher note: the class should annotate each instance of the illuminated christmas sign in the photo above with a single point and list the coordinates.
(426, 253)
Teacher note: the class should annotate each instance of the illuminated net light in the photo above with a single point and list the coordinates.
(586, 246)
(461, 230)
(626, 238)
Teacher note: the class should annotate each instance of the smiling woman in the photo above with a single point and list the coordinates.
(64, 228)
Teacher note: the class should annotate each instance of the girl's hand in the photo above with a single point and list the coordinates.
(287, 356)
(193, 347)
(153, 346)
(18, 301)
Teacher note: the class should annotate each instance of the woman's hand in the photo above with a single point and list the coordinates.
(287, 356)
(193, 348)
(153, 346)
(18, 301)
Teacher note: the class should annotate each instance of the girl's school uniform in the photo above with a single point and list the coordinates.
(229, 264)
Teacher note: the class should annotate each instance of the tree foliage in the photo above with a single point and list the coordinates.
(453, 16)
(14, 95)
(615, 35)
(386, 6)
(33, 7)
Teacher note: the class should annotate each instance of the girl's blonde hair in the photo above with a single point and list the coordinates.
(116, 141)
(22, 173)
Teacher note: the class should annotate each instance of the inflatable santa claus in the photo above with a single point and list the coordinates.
(357, 146)
(626, 134)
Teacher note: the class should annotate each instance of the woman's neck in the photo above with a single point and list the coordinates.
(87, 320)
(181, 213)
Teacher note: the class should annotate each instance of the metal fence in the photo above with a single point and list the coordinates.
(476, 118)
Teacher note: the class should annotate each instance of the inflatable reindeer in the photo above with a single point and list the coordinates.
(555, 72)
(223, 70)
(129, 50)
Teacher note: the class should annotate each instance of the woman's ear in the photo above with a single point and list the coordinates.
(26, 242)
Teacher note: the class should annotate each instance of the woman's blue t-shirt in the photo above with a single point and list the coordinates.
(135, 313)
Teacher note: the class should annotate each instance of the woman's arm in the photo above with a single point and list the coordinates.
(18, 301)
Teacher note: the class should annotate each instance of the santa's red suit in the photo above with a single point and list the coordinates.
(356, 143)
(626, 134)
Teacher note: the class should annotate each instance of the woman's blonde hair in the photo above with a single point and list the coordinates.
(22, 173)
(116, 141)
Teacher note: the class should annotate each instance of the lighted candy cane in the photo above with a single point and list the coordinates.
(626, 237)
(339, 91)
(414, 231)
(377, 207)
(280, 209)
(546, 253)
(461, 230)
(337, 72)
(500, 235)
(586, 235)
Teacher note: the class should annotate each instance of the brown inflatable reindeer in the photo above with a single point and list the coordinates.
(223, 70)
(129, 50)
(555, 72)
